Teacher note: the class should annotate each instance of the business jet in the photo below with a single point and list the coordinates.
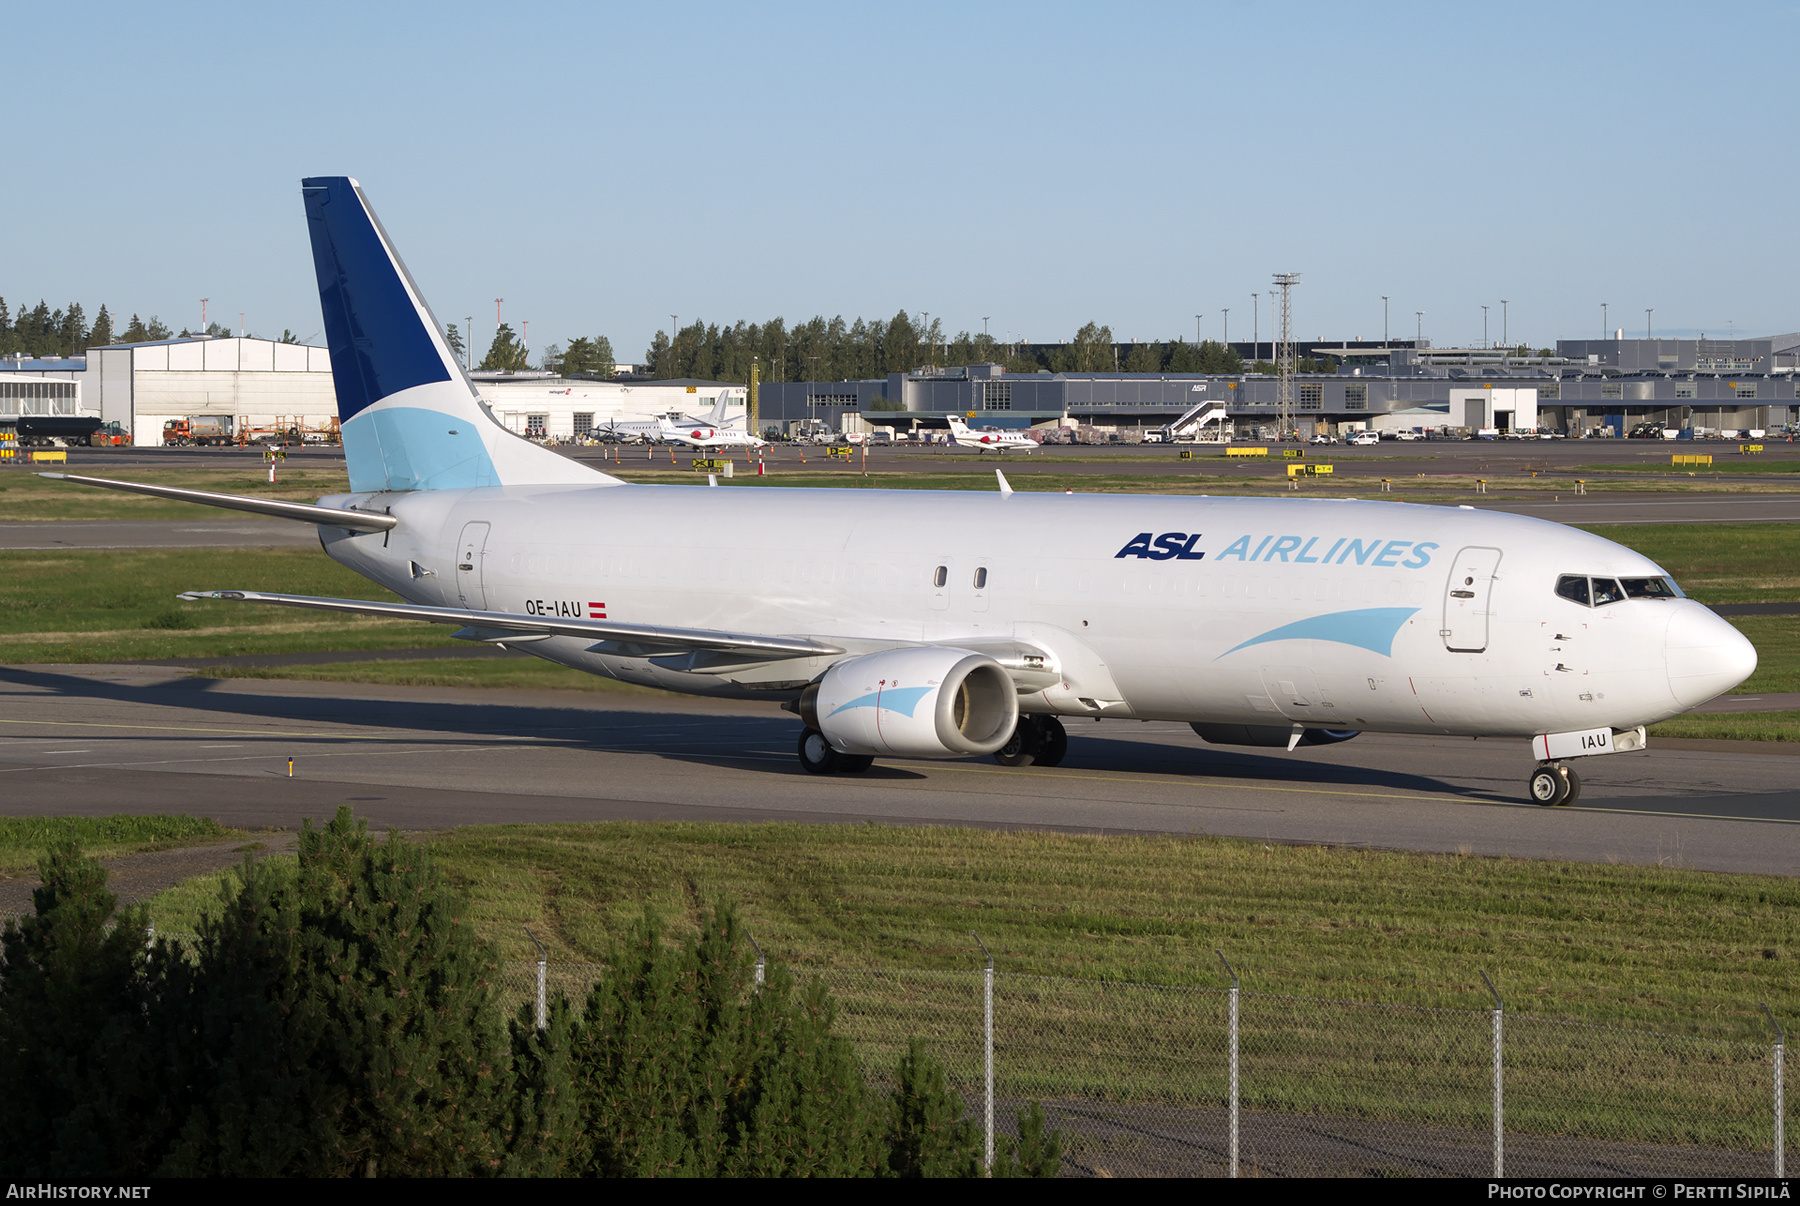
(988, 440)
(707, 436)
(939, 624)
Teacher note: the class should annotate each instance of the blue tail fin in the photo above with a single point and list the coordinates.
(411, 420)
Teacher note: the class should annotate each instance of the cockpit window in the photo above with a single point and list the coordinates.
(1650, 588)
(1598, 592)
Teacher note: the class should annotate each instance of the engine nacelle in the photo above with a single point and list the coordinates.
(1267, 734)
(931, 702)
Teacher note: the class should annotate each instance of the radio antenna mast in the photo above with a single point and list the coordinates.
(1284, 354)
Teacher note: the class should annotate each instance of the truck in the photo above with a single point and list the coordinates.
(198, 431)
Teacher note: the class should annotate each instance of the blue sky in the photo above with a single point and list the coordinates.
(602, 167)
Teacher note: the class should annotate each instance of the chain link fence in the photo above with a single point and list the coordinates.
(1139, 1078)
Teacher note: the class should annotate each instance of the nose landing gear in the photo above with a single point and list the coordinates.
(818, 758)
(1554, 785)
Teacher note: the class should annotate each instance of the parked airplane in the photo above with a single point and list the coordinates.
(988, 440)
(708, 435)
(938, 624)
(713, 430)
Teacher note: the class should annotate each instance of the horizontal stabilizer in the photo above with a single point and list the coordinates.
(355, 521)
(493, 623)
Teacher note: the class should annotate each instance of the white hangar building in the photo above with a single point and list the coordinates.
(265, 385)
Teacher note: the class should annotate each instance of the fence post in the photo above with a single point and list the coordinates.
(759, 961)
(1232, 1101)
(543, 966)
(1499, 1097)
(987, 1054)
(1780, 1106)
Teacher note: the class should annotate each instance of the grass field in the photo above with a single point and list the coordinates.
(1720, 562)
(512, 673)
(24, 840)
(1734, 726)
(1658, 947)
(120, 604)
(26, 496)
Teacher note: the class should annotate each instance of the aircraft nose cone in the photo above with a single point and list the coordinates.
(1705, 656)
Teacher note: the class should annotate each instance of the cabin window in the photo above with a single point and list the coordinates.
(941, 575)
(981, 578)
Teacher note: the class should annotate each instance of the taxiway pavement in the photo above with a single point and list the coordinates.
(93, 740)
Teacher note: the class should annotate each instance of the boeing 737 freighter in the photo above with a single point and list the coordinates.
(926, 624)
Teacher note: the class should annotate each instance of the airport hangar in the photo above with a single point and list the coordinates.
(266, 386)
(1587, 387)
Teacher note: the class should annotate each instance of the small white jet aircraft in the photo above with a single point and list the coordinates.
(940, 624)
(708, 435)
(988, 439)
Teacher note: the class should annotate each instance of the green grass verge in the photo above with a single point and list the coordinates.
(120, 605)
(1723, 462)
(26, 496)
(1720, 562)
(24, 840)
(1733, 726)
(1344, 954)
(443, 672)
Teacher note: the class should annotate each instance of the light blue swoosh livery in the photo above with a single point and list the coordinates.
(411, 448)
(1371, 628)
(904, 700)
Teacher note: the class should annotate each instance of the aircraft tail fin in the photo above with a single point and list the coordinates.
(410, 417)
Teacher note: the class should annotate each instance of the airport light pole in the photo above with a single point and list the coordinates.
(1484, 338)
(468, 338)
(203, 302)
(1604, 328)
(1419, 330)
(1647, 314)
(1384, 319)
(1255, 328)
(1505, 337)
(1227, 313)
(1197, 319)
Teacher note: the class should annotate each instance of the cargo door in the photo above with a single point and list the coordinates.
(471, 587)
(1467, 597)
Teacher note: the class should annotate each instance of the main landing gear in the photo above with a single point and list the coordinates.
(1037, 741)
(1554, 784)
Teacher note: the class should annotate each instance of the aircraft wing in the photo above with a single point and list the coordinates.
(629, 640)
(355, 521)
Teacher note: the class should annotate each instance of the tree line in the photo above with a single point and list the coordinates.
(41, 331)
(337, 1017)
(822, 349)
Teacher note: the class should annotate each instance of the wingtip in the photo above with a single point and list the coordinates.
(1005, 486)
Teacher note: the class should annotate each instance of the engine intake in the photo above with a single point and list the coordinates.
(931, 702)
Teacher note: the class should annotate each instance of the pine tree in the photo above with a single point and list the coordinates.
(681, 1068)
(452, 336)
(102, 334)
(78, 1099)
(928, 1134)
(156, 329)
(505, 354)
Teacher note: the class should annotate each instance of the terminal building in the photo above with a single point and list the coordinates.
(1585, 388)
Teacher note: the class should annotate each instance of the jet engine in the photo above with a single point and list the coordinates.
(931, 702)
(1267, 734)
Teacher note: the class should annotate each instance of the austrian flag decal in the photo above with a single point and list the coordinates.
(596, 611)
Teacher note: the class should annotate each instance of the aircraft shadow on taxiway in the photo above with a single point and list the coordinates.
(751, 738)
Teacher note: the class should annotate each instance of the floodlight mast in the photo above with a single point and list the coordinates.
(1284, 364)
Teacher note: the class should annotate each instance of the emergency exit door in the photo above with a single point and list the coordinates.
(1467, 598)
(470, 585)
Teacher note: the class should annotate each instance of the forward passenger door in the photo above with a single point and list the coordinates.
(1467, 599)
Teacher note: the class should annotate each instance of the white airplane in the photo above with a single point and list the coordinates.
(708, 435)
(989, 440)
(939, 624)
